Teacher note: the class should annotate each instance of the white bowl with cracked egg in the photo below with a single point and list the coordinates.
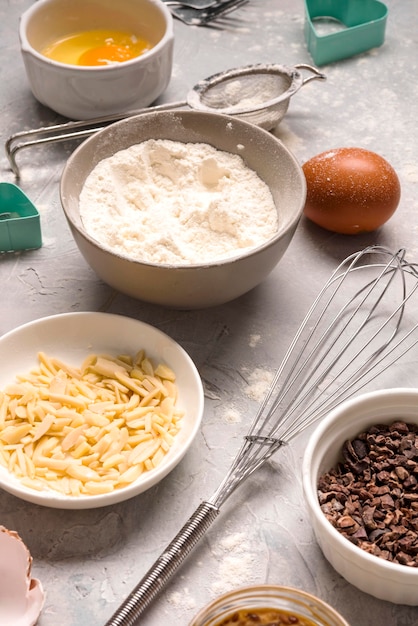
(194, 285)
(71, 337)
(88, 91)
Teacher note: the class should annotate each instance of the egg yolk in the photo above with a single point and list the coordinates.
(97, 47)
(105, 55)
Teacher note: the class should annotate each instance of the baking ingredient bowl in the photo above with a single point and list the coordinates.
(86, 91)
(71, 338)
(284, 605)
(375, 575)
(189, 286)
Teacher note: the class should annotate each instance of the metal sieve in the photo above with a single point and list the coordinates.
(258, 94)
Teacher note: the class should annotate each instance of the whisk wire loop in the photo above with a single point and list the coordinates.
(312, 364)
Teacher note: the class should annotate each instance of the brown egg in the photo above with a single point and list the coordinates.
(350, 190)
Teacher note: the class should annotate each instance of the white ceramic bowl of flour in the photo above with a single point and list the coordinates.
(185, 209)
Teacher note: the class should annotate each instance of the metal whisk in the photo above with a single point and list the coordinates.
(355, 329)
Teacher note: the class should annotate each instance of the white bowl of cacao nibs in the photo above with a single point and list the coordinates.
(360, 480)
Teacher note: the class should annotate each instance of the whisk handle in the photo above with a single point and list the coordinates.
(165, 566)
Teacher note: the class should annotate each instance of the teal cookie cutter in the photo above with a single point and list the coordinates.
(20, 226)
(361, 26)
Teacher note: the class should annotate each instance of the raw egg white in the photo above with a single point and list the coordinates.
(350, 190)
(97, 47)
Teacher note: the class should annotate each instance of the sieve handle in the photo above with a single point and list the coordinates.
(316, 74)
(79, 129)
(165, 566)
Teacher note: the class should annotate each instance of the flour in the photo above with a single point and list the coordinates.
(259, 382)
(232, 416)
(251, 93)
(237, 563)
(254, 339)
(168, 202)
(182, 599)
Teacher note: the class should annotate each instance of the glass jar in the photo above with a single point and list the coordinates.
(310, 611)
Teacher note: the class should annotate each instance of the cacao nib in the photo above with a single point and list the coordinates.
(371, 496)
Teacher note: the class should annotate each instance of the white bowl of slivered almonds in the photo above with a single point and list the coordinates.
(95, 408)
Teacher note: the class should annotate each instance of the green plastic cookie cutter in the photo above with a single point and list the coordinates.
(358, 25)
(20, 227)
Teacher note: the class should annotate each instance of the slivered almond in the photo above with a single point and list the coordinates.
(88, 430)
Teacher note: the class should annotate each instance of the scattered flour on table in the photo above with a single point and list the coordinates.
(259, 381)
(164, 201)
(254, 339)
(232, 416)
(410, 172)
(182, 599)
(236, 563)
(236, 559)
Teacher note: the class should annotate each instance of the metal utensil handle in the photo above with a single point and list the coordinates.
(165, 566)
(316, 74)
(78, 129)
